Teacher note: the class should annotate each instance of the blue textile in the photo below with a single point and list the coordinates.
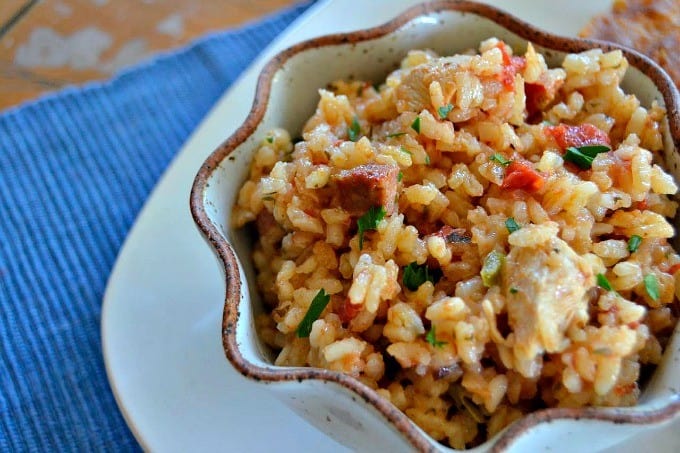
(75, 169)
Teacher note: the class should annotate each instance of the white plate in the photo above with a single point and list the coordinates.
(161, 318)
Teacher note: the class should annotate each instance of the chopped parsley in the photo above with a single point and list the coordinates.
(583, 156)
(513, 290)
(415, 275)
(315, 309)
(270, 139)
(427, 159)
(652, 286)
(500, 159)
(444, 111)
(369, 221)
(431, 338)
(491, 269)
(633, 243)
(603, 283)
(404, 150)
(512, 225)
(400, 176)
(397, 134)
(415, 125)
(354, 131)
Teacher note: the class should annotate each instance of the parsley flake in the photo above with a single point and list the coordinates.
(415, 125)
(369, 221)
(400, 176)
(514, 290)
(603, 283)
(415, 275)
(633, 243)
(444, 111)
(427, 159)
(500, 159)
(431, 338)
(270, 139)
(397, 134)
(583, 156)
(512, 225)
(652, 286)
(404, 150)
(354, 131)
(315, 309)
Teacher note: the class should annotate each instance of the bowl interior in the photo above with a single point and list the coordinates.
(293, 98)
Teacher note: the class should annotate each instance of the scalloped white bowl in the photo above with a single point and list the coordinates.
(286, 95)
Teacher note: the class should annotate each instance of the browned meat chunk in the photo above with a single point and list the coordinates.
(365, 186)
(457, 239)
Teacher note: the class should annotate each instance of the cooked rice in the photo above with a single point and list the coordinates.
(520, 244)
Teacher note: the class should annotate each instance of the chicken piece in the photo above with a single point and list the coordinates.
(546, 285)
(413, 93)
(365, 186)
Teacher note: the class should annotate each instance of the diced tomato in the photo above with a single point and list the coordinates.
(624, 389)
(642, 205)
(674, 268)
(348, 311)
(511, 66)
(581, 135)
(535, 94)
(521, 175)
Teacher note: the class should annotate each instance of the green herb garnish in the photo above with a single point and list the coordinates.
(514, 290)
(354, 131)
(444, 111)
(270, 139)
(427, 159)
(415, 125)
(633, 243)
(512, 225)
(400, 176)
(603, 283)
(397, 134)
(431, 338)
(369, 221)
(315, 309)
(583, 156)
(491, 269)
(404, 150)
(415, 275)
(500, 159)
(652, 286)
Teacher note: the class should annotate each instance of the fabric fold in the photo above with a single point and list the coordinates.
(75, 169)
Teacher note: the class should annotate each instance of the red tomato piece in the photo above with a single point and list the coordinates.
(674, 268)
(521, 175)
(535, 94)
(348, 311)
(511, 66)
(581, 135)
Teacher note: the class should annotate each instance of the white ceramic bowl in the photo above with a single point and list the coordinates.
(286, 95)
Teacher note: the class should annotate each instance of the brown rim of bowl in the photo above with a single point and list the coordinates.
(227, 255)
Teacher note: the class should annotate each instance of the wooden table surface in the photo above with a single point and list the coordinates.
(46, 45)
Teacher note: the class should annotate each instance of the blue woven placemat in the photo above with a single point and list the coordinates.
(75, 168)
